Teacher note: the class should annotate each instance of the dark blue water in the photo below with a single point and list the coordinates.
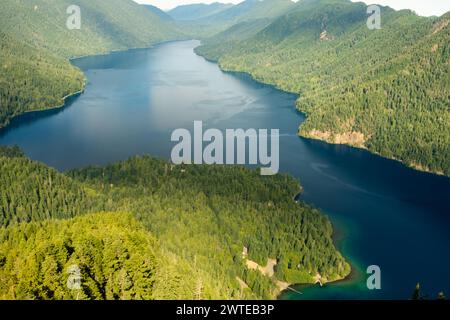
(384, 213)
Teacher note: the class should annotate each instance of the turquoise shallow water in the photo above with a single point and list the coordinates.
(384, 213)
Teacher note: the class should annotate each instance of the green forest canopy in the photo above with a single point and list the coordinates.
(197, 218)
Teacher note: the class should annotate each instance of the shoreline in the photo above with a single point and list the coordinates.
(418, 168)
(41, 110)
(121, 50)
(337, 238)
(353, 276)
(83, 87)
(356, 276)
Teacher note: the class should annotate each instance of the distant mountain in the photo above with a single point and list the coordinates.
(250, 10)
(106, 25)
(237, 32)
(244, 12)
(163, 15)
(385, 90)
(36, 45)
(197, 11)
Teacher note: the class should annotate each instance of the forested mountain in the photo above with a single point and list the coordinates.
(33, 78)
(35, 45)
(105, 25)
(242, 13)
(250, 10)
(160, 13)
(386, 90)
(201, 217)
(236, 33)
(197, 11)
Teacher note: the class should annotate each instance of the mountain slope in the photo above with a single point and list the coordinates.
(105, 26)
(197, 11)
(33, 192)
(249, 10)
(163, 15)
(385, 90)
(33, 78)
(35, 45)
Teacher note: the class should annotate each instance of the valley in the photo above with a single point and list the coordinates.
(363, 195)
(78, 187)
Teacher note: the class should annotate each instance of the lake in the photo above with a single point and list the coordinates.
(384, 213)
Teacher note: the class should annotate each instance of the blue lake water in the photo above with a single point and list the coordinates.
(384, 213)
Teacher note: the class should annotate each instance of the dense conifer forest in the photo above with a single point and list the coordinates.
(183, 227)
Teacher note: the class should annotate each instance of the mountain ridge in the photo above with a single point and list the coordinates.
(197, 11)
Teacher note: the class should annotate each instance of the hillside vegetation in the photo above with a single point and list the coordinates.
(35, 46)
(116, 258)
(182, 237)
(197, 11)
(385, 90)
(203, 21)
